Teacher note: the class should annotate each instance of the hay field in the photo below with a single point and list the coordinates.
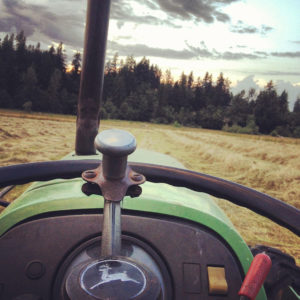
(268, 164)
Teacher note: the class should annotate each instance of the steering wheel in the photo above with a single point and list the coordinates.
(262, 204)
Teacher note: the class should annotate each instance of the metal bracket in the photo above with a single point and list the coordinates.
(113, 190)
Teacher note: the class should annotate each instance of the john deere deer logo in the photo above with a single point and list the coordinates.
(106, 277)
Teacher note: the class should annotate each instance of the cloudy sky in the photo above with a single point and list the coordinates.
(250, 41)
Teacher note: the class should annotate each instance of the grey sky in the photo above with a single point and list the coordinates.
(237, 37)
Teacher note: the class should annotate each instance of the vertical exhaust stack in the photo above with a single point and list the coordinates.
(92, 75)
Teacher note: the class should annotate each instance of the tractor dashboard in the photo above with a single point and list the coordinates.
(190, 261)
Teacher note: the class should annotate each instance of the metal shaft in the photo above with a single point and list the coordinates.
(114, 167)
(92, 74)
(115, 145)
(111, 233)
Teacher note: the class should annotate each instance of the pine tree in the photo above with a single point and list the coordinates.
(270, 110)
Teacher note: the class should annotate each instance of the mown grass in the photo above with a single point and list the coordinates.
(268, 164)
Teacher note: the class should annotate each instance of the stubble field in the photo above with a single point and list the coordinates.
(268, 164)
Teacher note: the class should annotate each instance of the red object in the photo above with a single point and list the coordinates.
(256, 276)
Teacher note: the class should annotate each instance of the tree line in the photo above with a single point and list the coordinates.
(39, 80)
(36, 79)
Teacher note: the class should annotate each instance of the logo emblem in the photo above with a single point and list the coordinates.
(115, 279)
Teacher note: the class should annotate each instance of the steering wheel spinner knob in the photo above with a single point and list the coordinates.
(115, 142)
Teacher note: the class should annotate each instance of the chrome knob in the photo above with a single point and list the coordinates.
(115, 145)
(115, 142)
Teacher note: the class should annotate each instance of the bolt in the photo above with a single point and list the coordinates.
(134, 191)
(137, 177)
(89, 174)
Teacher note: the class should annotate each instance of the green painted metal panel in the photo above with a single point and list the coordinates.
(139, 155)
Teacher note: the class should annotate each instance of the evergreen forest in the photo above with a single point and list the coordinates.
(33, 79)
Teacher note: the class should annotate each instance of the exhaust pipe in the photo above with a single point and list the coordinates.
(92, 76)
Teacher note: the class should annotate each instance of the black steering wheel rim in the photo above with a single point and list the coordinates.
(274, 209)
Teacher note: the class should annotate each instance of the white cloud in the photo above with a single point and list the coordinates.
(245, 84)
(248, 82)
(293, 91)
